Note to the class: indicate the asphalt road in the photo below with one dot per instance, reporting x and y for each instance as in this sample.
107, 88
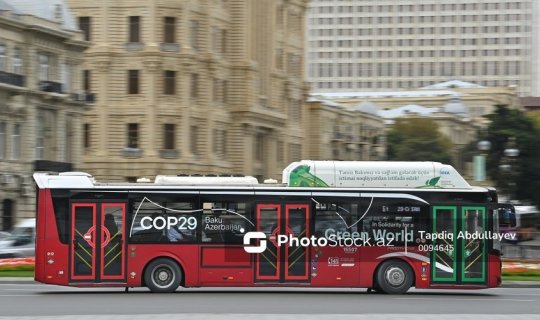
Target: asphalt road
30, 300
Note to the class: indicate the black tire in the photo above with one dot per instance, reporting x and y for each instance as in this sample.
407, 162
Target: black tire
163, 275
394, 277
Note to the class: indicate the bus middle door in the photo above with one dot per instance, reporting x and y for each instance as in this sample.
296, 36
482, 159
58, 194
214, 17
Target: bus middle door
283, 263
97, 248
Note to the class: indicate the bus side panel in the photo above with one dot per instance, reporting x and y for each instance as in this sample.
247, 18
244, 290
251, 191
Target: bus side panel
335, 267
51, 255
421, 273
225, 266
494, 271
186, 255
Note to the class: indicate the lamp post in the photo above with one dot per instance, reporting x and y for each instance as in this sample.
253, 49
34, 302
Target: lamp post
479, 161
509, 168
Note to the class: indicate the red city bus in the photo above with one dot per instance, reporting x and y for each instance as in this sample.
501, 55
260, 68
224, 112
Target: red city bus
385, 226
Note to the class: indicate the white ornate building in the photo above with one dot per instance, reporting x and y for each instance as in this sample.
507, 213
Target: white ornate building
40, 114
207, 86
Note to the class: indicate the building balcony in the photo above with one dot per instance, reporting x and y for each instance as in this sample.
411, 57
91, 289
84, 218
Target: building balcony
169, 153
132, 152
84, 97
50, 86
12, 79
169, 47
134, 46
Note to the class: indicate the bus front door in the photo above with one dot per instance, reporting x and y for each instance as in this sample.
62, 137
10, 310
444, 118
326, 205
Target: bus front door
283, 263
98, 243
459, 253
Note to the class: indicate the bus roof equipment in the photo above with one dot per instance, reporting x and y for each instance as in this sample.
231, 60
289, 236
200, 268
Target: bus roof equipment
305, 173
373, 174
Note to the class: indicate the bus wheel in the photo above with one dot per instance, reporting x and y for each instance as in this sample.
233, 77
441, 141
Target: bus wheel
163, 275
394, 277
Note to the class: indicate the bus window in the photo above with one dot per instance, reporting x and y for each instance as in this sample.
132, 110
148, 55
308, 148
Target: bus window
164, 221
225, 222
335, 218
393, 223
61, 213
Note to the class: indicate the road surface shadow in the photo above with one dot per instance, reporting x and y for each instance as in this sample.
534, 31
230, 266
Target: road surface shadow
270, 291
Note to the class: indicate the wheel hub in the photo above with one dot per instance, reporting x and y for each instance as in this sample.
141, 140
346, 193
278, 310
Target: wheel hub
163, 276
395, 276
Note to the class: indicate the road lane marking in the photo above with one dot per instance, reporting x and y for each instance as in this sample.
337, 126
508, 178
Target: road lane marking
467, 299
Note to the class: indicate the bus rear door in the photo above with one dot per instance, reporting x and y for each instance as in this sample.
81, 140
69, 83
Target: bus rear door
98, 243
458, 256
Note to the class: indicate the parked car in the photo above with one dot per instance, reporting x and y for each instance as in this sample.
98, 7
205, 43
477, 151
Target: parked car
21, 242
4, 235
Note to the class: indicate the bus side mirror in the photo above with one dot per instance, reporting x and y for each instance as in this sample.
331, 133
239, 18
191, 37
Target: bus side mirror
507, 215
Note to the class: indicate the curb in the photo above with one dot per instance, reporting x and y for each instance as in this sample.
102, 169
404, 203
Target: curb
520, 284
505, 284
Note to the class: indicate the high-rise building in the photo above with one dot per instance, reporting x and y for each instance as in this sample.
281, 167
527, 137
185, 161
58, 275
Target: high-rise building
367, 45
207, 86
41, 50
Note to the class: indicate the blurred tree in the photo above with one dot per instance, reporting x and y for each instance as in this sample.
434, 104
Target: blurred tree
418, 139
535, 116
513, 128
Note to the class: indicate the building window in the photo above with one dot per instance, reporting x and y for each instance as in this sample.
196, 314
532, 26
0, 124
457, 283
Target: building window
280, 152
170, 82
194, 92
215, 89
193, 145
169, 30
43, 60
134, 29
215, 41
295, 152
219, 91
86, 136
133, 135
68, 151
279, 15
223, 46
194, 30
133, 81
225, 87
220, 142
219, 40
259, 147
86, 81
65, 73
17, 61
16, 142
40, 138
279, 58
2, 140
84, 26
169, 142
2, 58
